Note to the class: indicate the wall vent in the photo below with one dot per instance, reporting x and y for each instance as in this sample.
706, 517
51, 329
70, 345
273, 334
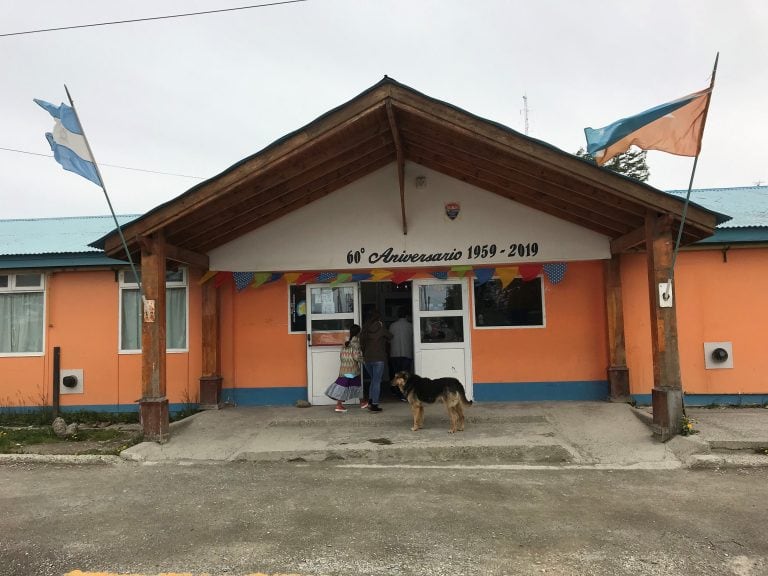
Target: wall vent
718, 355
71, 381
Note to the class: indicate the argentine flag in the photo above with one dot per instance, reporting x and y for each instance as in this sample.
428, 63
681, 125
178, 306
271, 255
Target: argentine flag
68, 142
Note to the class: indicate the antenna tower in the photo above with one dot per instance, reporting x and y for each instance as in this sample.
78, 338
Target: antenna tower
525, 112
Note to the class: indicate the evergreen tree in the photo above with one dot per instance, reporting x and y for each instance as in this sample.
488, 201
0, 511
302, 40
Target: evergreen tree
630, 163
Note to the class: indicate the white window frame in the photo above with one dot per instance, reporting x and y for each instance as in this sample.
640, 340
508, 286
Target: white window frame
124, 285
13, 289
537, 327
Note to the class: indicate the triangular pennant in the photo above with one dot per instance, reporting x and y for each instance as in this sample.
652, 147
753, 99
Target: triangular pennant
530, 271
506, 275
401, 276
362, 276
343, 277
207, 276
260, 278
482, 275
221, 279
305, 277
291, 277
326, 276
460, 271
440, 274
379, 274
242, 280
274, 277
555, 272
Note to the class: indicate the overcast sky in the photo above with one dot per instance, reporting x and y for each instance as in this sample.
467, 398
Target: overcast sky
195, 95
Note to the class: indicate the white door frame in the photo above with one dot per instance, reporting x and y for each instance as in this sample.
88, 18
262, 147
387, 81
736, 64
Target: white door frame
323, 346
421, 348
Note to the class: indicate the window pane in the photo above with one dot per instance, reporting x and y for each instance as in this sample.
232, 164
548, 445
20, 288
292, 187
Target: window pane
28, 280
442, 329
21, 322
3, 280
438, 297
333, 300
129, 278
298, 308
325, 325
519, 304
176, 318
174, 275
130, 321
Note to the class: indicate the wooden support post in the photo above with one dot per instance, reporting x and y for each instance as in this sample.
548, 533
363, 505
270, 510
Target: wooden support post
667, 393
154, 403
210, 381
618, 373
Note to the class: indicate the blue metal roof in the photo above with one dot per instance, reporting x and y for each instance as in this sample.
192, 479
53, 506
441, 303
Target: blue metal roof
40, 236
747, 206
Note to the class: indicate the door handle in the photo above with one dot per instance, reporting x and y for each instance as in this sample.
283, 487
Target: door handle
309, 339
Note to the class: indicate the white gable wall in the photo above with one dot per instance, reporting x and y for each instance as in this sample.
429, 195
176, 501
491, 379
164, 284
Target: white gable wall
363, 220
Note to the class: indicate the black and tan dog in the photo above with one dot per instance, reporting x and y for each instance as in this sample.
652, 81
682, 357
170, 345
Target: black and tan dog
420, 391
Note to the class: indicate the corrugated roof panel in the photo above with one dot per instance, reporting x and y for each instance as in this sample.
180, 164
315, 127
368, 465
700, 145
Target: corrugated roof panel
748, 206
55, 235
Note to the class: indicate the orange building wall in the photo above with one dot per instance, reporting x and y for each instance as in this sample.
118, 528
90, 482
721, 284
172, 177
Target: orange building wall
82, 319
257, 350
716, 301
573, 346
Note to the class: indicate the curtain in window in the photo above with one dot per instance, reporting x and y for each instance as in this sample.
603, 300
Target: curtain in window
175, 319
21, 322
130, 323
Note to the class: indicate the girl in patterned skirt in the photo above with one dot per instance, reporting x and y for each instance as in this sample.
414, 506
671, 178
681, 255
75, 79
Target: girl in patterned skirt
348, 385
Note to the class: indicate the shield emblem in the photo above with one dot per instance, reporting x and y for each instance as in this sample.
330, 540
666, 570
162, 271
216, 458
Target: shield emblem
452, 210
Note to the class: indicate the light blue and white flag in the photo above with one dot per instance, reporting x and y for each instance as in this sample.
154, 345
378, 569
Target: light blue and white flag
68, 142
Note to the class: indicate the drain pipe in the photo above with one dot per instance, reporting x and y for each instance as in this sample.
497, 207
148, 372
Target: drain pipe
56, 378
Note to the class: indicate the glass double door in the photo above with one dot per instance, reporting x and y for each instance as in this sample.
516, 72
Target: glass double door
441, 334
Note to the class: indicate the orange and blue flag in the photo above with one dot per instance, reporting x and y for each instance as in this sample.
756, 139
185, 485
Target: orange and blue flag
675, 127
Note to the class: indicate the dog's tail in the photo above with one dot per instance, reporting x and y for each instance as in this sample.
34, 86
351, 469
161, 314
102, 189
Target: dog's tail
464, 397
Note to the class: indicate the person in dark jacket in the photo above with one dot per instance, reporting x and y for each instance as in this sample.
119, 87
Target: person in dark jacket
373, 340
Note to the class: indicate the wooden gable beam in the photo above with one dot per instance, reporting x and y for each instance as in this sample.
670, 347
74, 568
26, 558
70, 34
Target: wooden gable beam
400, 159
628, 240
175, 253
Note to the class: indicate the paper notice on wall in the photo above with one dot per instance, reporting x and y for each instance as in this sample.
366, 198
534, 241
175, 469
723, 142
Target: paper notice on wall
327, 306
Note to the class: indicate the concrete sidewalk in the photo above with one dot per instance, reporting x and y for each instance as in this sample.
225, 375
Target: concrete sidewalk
564, 434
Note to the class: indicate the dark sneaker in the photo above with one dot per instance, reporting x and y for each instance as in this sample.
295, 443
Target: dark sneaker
374, 408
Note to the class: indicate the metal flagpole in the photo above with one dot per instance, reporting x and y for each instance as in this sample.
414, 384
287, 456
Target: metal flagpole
109, 202
693, 171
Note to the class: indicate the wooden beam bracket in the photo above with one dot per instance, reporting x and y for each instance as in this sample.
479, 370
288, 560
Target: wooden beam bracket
400, 160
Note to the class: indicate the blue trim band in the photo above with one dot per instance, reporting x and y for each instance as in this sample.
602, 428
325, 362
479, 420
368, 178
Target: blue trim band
264, 396
106, 408
541, 391
711, 399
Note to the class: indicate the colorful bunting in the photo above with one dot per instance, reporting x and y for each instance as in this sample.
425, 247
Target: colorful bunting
506, 275
402, 276
242, 280
274, 277
440, 274
291, 277
306, 277
555, 272
483, 275
378, 275
361, 277
530, 271
461, 270
221, 279
326, 276
344, 277
260, 278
